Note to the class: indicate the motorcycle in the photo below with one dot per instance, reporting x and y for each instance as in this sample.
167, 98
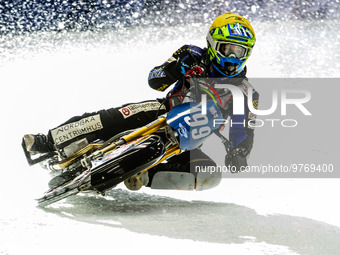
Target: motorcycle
102, 165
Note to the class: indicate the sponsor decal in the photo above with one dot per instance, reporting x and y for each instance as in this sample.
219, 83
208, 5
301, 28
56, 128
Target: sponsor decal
126, 111
133, 109
119, 151
71, 130
251, 115
182, 130
156, 73
195, 52
163, 87
244, 88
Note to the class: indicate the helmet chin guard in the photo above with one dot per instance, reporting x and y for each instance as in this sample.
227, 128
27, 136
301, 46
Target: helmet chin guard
231, 65
226, 71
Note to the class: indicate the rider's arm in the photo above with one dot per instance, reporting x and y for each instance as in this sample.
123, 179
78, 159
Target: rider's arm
161, 77
241, 135
242, 129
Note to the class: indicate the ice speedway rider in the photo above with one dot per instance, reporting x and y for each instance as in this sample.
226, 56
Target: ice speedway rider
230, 41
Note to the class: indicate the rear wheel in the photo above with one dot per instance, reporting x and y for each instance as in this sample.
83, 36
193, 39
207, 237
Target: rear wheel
137, 157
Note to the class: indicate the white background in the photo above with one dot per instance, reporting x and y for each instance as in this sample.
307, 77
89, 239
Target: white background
47, 78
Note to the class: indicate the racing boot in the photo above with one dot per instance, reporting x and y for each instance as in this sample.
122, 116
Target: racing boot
39, 143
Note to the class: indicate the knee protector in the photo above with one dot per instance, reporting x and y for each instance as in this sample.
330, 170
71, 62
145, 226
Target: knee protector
208, 180
172, 180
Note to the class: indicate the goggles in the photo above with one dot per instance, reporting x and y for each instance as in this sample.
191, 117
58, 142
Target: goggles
228, 49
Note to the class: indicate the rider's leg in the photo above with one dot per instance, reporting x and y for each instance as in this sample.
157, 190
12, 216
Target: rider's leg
96, 125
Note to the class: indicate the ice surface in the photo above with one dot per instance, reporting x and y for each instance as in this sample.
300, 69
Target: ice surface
48, 77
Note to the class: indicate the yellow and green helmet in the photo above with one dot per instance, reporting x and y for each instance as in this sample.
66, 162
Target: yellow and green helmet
231, 39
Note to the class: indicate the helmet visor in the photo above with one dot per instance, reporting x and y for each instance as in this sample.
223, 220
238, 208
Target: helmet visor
227, 49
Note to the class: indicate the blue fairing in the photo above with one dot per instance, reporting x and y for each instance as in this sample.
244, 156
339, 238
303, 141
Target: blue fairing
192, 126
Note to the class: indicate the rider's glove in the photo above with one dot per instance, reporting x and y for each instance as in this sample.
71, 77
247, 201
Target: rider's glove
243, 148
185, 59
182, 60
235, 162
